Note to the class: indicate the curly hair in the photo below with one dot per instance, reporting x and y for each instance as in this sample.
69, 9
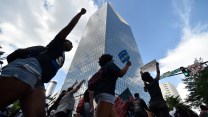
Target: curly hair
145, 76
105, 58
136, 95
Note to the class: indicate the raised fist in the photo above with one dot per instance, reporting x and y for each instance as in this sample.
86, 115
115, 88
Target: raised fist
83, 11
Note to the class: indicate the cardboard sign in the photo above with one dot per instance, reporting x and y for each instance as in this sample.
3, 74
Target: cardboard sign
124, 56
151, 66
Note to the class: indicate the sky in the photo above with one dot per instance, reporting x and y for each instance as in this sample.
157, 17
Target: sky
174, 32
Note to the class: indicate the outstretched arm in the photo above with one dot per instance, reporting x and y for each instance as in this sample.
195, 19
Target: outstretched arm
158, 71
91, 93
66, 30
125, 69
74, 84
77, 87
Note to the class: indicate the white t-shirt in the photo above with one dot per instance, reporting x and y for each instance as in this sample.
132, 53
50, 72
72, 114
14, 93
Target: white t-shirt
67, 103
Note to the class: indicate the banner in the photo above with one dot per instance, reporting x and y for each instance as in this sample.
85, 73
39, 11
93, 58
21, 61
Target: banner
122, 103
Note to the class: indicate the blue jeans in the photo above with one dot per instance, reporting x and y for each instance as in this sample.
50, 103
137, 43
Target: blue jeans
27, 70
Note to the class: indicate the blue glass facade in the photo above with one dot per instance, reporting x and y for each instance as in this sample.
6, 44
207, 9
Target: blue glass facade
106, 32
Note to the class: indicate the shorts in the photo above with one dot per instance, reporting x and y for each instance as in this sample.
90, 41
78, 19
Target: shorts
27, 70
106, 97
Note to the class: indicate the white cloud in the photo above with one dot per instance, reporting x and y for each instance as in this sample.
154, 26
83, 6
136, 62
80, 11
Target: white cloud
193, 43
30, 23
183, 92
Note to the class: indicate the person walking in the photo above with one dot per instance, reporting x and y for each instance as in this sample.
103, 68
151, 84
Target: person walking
25, 74
157, 104
36, 106
105, 91
66, 105
56, 103
88, 107
139, 106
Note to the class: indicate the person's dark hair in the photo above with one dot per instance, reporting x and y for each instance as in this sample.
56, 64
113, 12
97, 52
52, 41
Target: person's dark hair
105, 58
145, 76
136, 95
202, 107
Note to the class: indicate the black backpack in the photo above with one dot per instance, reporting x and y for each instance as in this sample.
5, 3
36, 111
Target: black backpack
24, 53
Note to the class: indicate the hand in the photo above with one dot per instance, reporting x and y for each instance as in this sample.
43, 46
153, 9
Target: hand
83, 80
128, 63
83, 11
157, 63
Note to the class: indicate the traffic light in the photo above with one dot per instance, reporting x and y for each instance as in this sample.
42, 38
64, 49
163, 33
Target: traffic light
185, 71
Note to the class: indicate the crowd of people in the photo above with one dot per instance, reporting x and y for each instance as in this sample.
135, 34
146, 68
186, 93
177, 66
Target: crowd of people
28, 69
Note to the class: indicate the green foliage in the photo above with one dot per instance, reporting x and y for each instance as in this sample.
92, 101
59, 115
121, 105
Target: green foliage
197, 85
175, 102
15, 108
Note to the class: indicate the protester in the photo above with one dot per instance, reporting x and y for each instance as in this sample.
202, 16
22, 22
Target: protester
66, 105
204, 111
88, 107
36, 106
25, 74
105, 90
56, 103
139, 107
157, 104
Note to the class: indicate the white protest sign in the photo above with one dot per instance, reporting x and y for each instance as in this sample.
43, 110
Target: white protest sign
151, 66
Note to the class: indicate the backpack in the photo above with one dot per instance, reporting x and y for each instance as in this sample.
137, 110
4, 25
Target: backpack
24, 53
95, 79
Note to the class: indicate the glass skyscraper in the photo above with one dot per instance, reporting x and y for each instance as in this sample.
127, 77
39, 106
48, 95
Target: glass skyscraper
106, 32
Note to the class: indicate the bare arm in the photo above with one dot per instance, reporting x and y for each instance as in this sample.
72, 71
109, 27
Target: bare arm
91, 93
158, 71
74, 84
77, 87
66, 30
125, 69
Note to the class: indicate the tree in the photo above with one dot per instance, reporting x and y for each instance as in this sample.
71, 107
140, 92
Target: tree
197, 85
175, 102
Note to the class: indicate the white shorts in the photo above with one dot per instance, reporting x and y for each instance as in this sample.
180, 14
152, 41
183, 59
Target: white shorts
106, 97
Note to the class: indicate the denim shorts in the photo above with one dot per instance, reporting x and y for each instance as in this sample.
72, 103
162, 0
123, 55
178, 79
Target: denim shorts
27, 70
106, 97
